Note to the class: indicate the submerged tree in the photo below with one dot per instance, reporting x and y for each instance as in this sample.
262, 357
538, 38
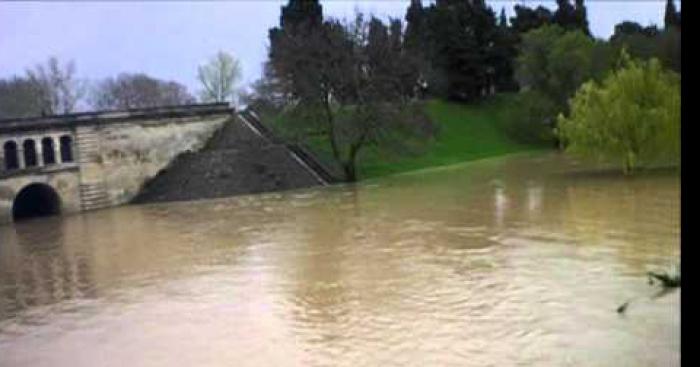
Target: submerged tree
633, 116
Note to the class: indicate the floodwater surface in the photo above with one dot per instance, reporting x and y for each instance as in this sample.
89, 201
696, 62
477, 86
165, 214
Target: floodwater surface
517, 261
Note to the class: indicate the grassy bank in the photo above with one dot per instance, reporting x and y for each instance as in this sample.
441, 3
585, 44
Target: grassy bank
466, 132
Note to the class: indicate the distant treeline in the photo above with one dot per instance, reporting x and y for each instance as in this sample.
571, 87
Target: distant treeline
461, 50
54, 88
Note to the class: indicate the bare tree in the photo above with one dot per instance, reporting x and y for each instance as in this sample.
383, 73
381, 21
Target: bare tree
266, 95
343, 81
60, 89
219, 77
137, 91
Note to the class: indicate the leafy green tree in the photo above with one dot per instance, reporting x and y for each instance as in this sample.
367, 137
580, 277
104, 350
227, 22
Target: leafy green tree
647, 42
668, 48
632, 117
554, 62
530, 118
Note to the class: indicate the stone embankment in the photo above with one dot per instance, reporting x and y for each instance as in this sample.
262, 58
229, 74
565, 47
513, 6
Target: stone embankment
241, 158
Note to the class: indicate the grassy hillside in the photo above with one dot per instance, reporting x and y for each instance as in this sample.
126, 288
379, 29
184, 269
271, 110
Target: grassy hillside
466, 132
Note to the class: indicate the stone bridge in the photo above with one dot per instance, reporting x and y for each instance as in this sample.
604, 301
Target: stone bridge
84, 161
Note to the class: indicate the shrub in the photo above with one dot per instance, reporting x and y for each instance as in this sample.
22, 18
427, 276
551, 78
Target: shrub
530, 118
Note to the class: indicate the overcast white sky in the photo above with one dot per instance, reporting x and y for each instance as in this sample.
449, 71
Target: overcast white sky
169, 39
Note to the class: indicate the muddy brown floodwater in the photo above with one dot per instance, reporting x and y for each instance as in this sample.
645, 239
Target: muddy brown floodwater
512, 261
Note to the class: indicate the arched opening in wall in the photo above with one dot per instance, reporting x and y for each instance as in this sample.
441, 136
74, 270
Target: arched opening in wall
36, 200
66, 149
29, 153
47, 151
10, 153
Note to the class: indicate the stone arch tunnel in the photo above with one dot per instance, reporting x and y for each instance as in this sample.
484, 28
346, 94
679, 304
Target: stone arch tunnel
36, 200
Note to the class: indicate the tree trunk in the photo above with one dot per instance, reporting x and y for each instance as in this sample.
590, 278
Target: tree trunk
350, 173
330, 120
629, 164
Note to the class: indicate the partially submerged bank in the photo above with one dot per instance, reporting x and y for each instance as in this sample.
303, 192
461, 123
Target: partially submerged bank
466, 132
243, 157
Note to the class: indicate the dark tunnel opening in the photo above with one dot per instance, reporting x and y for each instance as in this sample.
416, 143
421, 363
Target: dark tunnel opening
36, 200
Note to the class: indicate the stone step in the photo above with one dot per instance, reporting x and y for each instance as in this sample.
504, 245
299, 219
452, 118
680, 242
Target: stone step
93, 196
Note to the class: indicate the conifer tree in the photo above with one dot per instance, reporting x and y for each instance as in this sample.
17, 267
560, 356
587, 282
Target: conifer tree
581, 16
672, 18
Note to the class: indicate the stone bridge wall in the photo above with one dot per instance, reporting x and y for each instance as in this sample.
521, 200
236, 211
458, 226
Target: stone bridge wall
112, 153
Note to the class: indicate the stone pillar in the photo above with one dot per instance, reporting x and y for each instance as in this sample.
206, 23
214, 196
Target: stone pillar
39, 149
57, 149
20, 156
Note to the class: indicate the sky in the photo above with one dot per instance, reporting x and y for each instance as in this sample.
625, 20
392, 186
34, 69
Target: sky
168, 40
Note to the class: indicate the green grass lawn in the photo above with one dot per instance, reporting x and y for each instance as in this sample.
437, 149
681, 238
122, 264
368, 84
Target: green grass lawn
466, 132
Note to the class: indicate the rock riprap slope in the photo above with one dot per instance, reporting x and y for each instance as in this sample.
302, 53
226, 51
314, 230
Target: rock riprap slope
236, 160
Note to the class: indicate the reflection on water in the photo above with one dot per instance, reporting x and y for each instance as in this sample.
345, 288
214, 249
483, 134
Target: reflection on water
517, 261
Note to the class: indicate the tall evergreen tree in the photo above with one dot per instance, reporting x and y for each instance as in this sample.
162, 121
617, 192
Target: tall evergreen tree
672, 18
572, 16
395, 35
581, 17
379, 49
502, 20
415, 25
301, 12
565, 15
463, 36
299, 20
527, 19
505, 49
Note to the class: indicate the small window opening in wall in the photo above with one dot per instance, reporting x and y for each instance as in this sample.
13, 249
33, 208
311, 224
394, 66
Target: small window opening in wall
66, 149
29, 153
47, 151
10, 152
